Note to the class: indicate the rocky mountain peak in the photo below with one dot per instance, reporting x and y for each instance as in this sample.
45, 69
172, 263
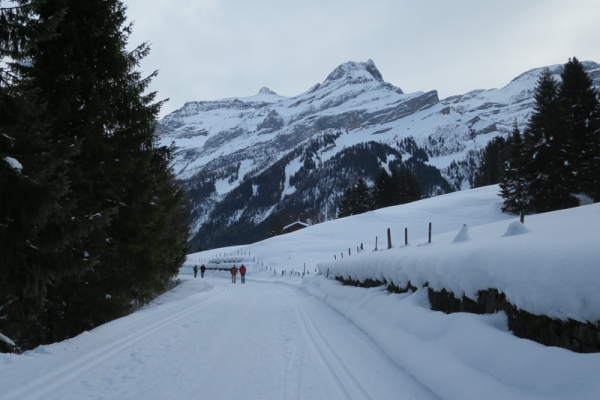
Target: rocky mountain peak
353, 70
266, 90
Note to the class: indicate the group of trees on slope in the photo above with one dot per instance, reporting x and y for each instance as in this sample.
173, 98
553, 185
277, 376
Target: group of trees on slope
557, 156
92, 222
399, 187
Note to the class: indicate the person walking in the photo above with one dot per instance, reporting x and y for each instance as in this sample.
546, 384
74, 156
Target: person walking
202, 269
243, 273
195, 270
233, 274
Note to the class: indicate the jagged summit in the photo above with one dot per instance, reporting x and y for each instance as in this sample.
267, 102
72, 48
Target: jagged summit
266, 90
353, 70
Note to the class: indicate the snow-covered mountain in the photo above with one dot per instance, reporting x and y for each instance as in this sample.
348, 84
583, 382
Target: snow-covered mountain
250, 162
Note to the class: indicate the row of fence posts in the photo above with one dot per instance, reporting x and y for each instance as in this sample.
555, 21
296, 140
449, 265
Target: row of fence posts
389, 240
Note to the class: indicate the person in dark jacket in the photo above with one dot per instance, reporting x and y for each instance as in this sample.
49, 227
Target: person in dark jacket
202, 269
195, 270
243, 273
233, 274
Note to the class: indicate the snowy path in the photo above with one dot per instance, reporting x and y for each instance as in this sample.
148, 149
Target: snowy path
210, 339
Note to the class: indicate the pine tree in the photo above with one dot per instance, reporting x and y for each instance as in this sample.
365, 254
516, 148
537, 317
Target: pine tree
357, 199
513, 185
491, 167
406, 186
118, 179
383, 189
347, 204
546, 150
36, 227
582, 116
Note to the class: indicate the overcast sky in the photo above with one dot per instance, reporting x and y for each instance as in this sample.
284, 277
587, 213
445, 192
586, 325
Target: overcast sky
214, 49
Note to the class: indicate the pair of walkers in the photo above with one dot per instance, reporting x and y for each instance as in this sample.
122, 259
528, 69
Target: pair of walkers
202, 269
234, 272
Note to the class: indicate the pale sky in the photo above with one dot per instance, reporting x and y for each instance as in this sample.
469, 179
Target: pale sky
215, 49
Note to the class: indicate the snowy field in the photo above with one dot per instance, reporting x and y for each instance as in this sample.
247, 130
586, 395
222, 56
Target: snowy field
292, 337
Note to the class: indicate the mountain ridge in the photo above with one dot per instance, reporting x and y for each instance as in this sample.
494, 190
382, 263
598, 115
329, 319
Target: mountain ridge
224, 147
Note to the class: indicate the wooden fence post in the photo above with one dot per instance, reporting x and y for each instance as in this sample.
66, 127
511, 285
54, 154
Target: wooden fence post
327, 276
349, 251
361, 246
334, 257
405, 236
389, 233
342, 253
522, 217
430, 232
375, 243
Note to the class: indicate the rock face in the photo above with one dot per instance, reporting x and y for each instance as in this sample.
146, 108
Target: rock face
301, 146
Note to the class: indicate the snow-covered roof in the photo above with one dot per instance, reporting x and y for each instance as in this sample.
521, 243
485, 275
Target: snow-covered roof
295, 223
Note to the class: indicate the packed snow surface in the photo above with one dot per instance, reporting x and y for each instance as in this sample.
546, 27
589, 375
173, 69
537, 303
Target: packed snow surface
284, 336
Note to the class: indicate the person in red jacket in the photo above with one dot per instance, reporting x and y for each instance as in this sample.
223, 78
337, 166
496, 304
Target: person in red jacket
243, 273
233, 274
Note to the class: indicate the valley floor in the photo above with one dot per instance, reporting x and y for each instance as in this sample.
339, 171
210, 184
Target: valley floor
210, 339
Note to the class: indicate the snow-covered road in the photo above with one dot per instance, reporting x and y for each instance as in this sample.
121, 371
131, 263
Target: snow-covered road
209, 339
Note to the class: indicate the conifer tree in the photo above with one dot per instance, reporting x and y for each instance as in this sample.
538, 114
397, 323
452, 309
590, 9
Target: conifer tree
546, 150
406, 186
357, 199
491, 167
383, 189
513, 185
36, 228
582, 117
118, 179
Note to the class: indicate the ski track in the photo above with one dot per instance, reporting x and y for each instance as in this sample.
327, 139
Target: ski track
262, 340
42, 387
324, 357
343, 359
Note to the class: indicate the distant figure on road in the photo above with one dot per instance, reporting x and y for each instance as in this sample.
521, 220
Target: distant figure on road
195, 270
233, 274
202, 269
243, 273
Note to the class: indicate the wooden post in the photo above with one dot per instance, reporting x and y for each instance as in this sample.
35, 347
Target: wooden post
522, 217
361, 246
357, 249
342, 254
389, 233
304, 267
327, 276
375, 243
349, 251
430, 232
405, 236
334, 257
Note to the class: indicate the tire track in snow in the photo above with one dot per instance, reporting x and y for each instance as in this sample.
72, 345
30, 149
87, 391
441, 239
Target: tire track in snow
49, 382
325, 357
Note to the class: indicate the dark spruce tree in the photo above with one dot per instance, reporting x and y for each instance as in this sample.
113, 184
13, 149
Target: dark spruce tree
400, 187
407, 188
581, 108
37, 232
383, 189
546, 150
514, 184
357, 199
118, 180
491, 167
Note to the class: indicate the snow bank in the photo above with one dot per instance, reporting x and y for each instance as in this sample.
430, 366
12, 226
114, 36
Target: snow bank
547, 267
460, 356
